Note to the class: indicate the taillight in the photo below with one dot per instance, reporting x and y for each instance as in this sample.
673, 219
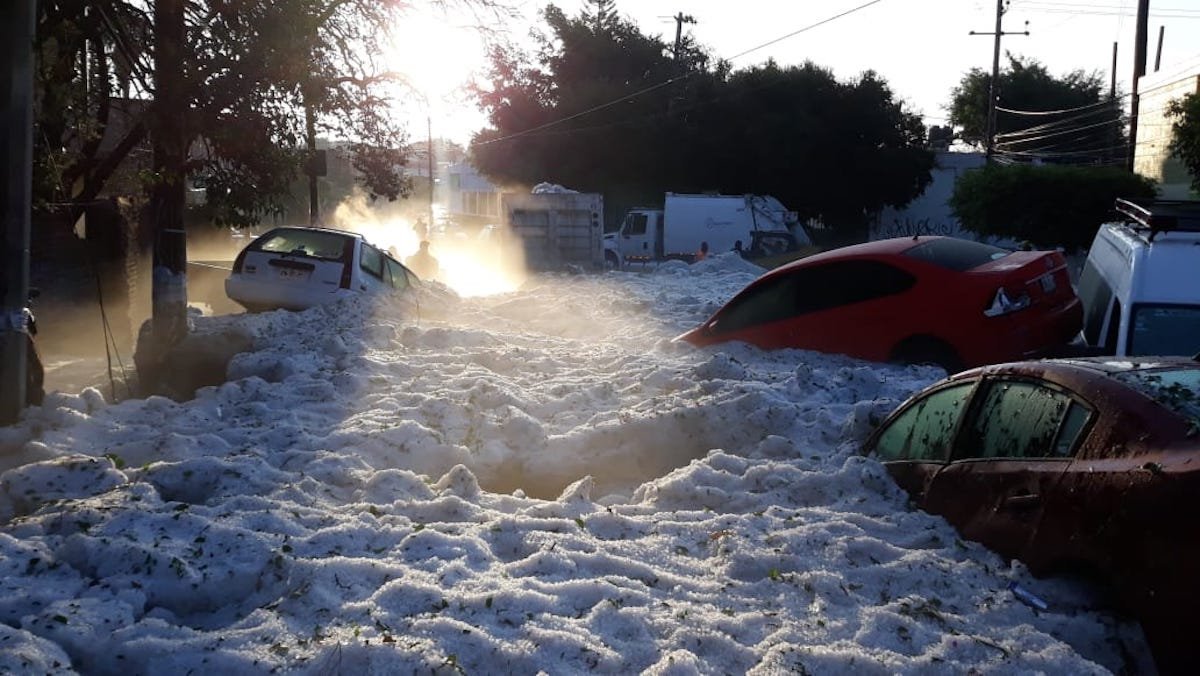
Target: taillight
1007, 301
237, 262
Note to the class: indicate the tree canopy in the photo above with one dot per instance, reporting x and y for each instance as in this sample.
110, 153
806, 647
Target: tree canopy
1061, 119
1048, 205
251, 70
1185, 141
603, 107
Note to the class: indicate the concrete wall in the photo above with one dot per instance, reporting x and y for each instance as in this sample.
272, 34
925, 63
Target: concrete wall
930, 214
1151, 156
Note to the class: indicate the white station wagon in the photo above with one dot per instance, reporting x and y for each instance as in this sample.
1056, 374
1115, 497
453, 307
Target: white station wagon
296, 268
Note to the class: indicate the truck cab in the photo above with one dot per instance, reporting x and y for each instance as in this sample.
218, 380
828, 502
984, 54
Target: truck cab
638, 240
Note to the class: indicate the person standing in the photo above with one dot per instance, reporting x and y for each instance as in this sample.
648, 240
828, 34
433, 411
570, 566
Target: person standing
702, 253
423, 263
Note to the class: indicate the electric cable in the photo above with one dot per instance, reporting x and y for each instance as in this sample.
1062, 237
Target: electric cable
655, 87
1064, 110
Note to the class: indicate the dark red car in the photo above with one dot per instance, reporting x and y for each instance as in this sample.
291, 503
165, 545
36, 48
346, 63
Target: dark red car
1087, 465
942, 300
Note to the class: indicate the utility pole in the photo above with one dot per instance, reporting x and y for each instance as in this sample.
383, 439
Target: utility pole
1158, 51
310, 164
168, 319
680, 19
994, 84
16, 181
429, 159
1139, 69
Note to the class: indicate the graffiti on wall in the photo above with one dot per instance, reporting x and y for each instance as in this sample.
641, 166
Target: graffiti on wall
911, 227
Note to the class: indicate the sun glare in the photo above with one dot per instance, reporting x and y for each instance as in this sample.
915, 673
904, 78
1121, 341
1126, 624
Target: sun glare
471, 266
435, 55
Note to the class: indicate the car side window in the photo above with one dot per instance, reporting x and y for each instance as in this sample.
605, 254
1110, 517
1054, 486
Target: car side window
372, 260
1018, 419
636, 225
846, 282
812, 289
925, 430
399, 274
1096, 295
768, 301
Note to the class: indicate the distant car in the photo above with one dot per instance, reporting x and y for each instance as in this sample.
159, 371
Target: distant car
953, 302
1138, 284
296, 268
1088, 465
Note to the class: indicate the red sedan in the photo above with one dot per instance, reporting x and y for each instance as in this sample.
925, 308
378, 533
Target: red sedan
1084, 465
941, 300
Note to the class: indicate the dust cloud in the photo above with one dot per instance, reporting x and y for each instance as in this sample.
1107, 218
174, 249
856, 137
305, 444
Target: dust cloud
472, 264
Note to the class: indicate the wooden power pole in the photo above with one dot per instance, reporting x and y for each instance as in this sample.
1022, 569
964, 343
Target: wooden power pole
1140, 39
16, 181
994, 84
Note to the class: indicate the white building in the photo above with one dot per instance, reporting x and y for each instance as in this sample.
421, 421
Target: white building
471, 200
1152, 157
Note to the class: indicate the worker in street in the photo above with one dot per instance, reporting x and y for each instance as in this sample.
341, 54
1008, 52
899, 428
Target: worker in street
702, 253
423, 263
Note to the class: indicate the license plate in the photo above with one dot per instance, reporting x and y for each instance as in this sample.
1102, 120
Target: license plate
293, 275
1048, 283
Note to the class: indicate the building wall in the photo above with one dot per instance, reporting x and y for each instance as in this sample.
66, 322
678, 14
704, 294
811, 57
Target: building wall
930, 214
471, 198
1152, 157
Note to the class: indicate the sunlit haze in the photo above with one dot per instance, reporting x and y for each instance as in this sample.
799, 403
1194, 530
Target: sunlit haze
470, 265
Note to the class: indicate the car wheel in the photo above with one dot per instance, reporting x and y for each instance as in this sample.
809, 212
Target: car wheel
927, 350
610, 261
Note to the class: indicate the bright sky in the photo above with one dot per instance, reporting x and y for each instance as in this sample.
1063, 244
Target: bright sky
921, 47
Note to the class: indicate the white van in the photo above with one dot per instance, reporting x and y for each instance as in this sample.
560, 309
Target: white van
1140, 285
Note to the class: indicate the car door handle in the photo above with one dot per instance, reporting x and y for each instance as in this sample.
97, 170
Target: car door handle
1024, 501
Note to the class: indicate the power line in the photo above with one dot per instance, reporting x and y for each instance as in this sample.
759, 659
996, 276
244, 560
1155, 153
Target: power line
1053, 125
647, 90
1060, 133
1062, 111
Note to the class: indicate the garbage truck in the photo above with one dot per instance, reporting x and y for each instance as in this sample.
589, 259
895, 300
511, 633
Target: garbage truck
757, 225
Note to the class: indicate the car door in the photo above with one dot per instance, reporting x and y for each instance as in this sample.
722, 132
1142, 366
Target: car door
1008, 459
914, 443
850, 307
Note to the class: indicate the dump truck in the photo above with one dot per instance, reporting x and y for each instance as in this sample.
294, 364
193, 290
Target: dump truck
558, 229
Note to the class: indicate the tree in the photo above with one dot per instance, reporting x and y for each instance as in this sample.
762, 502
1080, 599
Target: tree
611, 111
252, 69
1065, 119
1047, 206
1185, 143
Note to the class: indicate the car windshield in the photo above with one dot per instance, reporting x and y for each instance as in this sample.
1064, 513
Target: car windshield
955, 254
1165, 330
1177, 389
308, 242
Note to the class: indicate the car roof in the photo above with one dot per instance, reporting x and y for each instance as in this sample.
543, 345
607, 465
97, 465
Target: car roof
1100, 366
883, 247
334, 231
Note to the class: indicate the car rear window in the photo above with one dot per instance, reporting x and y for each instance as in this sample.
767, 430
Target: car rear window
328, 245
956, 254
1176, 389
